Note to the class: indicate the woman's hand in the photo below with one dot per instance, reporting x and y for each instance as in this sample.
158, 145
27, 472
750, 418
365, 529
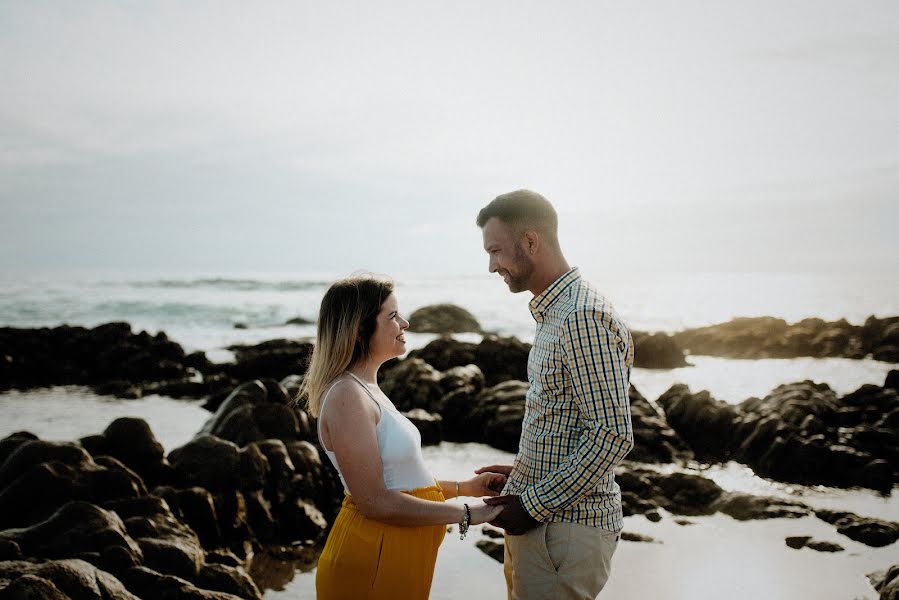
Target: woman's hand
485, 484
482, 513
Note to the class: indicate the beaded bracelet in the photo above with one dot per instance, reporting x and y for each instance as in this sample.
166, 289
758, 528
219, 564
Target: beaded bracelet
466, 520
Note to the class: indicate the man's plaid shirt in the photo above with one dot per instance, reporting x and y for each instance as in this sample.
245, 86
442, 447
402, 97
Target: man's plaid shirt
577, 419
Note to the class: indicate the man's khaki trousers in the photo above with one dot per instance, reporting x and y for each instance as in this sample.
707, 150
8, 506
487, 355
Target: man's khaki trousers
565, 561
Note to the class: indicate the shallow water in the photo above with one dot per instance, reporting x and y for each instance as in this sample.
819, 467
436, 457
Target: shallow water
69, 413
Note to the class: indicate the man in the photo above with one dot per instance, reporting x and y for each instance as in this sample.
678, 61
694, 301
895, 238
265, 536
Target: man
561, 505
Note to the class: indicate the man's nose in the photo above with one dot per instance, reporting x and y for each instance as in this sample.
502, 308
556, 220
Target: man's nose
491, 265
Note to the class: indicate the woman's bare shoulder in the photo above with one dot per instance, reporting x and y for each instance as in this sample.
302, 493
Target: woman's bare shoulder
346, 397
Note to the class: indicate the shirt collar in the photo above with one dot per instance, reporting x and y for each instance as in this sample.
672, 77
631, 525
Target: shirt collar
542, 302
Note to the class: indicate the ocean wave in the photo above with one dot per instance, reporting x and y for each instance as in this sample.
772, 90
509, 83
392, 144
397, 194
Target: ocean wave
233, 284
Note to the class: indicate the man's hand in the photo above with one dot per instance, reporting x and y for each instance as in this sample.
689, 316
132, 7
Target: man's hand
502, 470
514, 518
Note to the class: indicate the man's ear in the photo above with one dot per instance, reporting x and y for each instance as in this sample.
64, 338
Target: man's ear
531, 241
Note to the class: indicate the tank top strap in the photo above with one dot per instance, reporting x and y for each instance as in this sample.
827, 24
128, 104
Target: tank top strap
367, 391
321, 411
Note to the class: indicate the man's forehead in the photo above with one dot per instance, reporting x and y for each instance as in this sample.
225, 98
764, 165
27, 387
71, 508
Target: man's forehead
495, 228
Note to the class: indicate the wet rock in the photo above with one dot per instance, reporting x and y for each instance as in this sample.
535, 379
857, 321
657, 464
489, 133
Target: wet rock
246, 394
705, 424
73, 578
37, 493
688, 494
76, 528
657, 351
492, 532
275, 359
499, 358
34, 452
443, 318
445, 353
628, 536
74, 355
494, 550
886, 582
168, 545
822, 546
9, 550
222, 578
131, 441
259, 516
147, 583
654, 440
300, 520
208, 462
799, 542
280, 480
653, 516
299, 321
413, 384
223, 556
744, 507
196, 508
767, 337
13, 441
32, 587
871, 532
430, 426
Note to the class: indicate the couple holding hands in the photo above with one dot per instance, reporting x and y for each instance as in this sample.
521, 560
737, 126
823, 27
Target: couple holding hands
558, 503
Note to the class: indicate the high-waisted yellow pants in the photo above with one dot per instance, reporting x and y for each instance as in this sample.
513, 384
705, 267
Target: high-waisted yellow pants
366, 559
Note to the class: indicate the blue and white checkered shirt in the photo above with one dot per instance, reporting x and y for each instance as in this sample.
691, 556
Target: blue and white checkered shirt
577, 419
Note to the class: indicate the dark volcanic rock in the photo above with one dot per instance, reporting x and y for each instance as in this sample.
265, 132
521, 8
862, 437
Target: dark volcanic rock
886, 583
745, 507
654, 440
413, 384
222, 578
443, 318
871, 532
704, 423
494, 550
657, 351
147, 583
805, 541
75, 355
61, 579
39, 488
75, 529
275, 359
429, 425
499, 358
767, 337
209, 462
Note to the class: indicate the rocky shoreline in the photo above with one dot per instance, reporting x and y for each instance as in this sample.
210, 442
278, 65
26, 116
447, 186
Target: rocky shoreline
113, 516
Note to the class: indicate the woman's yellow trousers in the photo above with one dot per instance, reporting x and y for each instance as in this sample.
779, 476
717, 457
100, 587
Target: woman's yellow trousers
366, 559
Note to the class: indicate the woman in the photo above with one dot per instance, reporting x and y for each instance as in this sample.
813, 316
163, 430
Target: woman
385, 539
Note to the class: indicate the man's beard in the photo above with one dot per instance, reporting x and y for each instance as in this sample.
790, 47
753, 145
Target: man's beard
525, 267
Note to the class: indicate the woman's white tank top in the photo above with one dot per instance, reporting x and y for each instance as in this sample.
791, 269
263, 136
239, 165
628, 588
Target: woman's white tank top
399, 442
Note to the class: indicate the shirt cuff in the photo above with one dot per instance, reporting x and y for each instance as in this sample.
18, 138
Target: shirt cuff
532, 505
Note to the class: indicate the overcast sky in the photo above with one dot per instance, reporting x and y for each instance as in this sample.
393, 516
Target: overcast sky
309, 137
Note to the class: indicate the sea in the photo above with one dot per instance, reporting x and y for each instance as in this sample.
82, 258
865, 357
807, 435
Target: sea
714, 556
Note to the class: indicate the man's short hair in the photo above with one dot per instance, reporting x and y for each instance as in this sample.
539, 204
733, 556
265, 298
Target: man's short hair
524, 209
